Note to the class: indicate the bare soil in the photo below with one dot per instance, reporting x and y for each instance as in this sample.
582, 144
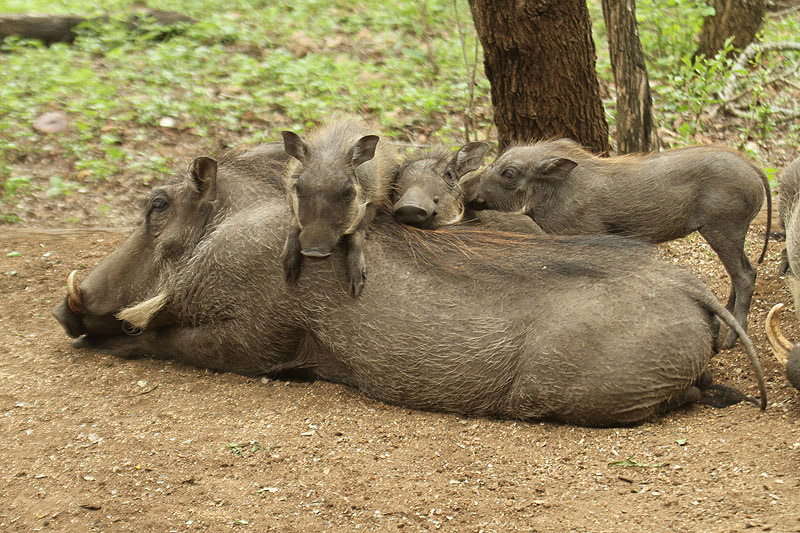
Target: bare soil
95, 443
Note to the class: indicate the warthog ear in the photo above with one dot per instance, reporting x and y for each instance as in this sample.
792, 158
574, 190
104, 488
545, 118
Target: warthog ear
363, 150
294, 146
556, 168
203, 172
468, 158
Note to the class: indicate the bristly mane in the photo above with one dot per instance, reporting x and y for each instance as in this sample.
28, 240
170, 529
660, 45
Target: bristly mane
440, 153
434, 152
466, 250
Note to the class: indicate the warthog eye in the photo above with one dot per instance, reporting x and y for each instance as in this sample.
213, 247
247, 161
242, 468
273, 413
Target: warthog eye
509, 173
159, 204
508, 178
348, 191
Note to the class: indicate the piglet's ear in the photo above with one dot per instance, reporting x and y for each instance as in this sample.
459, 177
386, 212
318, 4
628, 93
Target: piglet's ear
556, 168
203, 173
468, 158
364, 149
294, 146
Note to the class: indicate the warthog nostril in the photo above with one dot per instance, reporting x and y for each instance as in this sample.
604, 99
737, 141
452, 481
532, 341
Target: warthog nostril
478, 204
411, 214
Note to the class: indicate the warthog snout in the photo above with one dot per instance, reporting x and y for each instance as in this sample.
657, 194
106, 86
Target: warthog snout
70, 321
478, 204
415, 208
70, 311
317, 243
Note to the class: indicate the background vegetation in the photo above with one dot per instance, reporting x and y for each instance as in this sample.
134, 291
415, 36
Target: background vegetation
141, 103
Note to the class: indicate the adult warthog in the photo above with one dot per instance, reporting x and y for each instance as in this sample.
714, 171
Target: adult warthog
656, 197
584, 330
789, 220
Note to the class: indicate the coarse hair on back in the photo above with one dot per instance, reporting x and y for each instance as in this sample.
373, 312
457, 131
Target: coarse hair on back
466, 250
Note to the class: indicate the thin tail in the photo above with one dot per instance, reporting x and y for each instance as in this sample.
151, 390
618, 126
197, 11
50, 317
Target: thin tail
765, 181
718, 309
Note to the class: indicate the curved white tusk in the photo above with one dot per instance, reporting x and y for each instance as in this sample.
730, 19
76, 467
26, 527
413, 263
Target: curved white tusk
74, 300
781, 346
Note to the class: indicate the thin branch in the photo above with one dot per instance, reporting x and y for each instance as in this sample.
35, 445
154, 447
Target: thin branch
469, 118
779, 78
747, 55
784, 12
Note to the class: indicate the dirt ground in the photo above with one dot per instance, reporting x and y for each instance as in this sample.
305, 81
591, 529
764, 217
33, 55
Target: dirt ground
94, 443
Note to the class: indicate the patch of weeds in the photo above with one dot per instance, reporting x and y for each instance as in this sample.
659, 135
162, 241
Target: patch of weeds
16, 185
97, 168
694, 89
60, 187
771, 173
242, 449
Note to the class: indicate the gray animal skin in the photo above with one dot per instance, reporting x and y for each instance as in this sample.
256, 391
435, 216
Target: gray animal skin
336, 183
656, 197
789, 213
427, 193
585, 330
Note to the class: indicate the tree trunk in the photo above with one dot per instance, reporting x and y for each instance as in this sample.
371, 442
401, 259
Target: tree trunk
540, 60
634, 103
738, 18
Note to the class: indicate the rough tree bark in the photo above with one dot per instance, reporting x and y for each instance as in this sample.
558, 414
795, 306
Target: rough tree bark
738, 18
540, 60
634, 103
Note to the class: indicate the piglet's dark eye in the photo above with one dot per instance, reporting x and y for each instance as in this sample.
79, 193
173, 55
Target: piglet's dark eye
509, 173
159, 204
348, 191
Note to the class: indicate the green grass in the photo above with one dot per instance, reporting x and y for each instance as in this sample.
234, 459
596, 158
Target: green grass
233, 74
236, 77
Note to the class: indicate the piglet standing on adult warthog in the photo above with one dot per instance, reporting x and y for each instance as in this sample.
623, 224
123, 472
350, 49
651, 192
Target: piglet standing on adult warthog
335, 184
426, 191
656, 197
590, 330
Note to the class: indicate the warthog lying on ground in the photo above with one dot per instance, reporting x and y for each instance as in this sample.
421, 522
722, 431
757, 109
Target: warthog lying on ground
787, 352
426, 191
586, 330
656, 197
336, 183
789, 220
